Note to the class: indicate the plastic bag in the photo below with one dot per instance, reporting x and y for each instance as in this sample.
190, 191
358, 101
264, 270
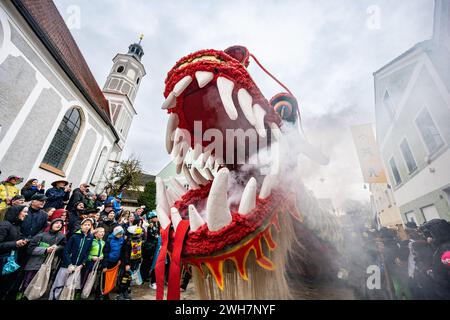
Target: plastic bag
136, 279
110, 279
90, 281
72, 283
11, 265
38, 285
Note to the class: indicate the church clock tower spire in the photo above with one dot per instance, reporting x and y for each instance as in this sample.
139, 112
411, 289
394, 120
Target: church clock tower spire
122, 85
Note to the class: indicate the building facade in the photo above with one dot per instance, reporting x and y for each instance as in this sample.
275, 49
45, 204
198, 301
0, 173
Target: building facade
55, 121
412, 109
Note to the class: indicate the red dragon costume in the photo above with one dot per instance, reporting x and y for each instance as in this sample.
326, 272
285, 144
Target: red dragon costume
245, 234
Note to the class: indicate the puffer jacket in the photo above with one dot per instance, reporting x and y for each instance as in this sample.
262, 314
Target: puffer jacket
38, 246
56, 198
114, 249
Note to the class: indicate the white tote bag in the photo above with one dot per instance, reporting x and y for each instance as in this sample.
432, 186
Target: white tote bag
90, 281
72, 283
38, 285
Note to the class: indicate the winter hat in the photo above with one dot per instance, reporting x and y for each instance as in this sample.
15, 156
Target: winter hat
152, 214
58, 214
445, 258
18, 197
117, 230
12, 214
411, 225
56, 220
87, 219
135, 230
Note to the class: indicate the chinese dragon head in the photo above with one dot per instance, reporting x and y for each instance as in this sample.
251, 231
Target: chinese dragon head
245, 230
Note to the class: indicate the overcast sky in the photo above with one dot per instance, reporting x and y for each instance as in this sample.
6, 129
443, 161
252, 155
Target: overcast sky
324, 51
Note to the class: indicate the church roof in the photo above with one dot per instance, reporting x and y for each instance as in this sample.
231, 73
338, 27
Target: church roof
46, 21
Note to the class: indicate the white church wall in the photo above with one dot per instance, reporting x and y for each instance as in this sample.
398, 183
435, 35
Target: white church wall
40, 99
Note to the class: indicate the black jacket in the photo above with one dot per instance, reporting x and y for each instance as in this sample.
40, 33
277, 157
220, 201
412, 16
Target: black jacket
77, 196
35, 222
56, 198
29, 192
10, 230
108, 225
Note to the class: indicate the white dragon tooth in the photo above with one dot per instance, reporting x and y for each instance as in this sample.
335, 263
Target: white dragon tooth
217, 212
203, 78
161, 198
205, 158
171, 196
193, 185
177, 140
176, 218
198, 177
225, 88
162, 208
179, 167
209, 174
266, 187
177, 187
170, 102
172, 125
195, 220
211, 161
275, 130
248, 200
260, 113
181, 85
245, 101
197, 151
163, 218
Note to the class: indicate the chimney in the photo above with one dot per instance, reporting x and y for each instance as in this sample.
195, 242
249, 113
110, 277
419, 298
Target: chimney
441, 27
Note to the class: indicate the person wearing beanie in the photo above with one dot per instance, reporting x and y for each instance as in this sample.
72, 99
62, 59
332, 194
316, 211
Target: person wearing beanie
75, 256
59, 214
17, 200
108, 222
114, 251
95, 254
132, 260
40, 247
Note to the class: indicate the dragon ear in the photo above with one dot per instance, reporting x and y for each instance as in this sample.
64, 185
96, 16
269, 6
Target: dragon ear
240, 53
286, 106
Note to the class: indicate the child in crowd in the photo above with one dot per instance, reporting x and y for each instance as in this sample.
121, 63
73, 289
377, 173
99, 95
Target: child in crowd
95, 254
75, 256
40, 246
132, 261
114, 251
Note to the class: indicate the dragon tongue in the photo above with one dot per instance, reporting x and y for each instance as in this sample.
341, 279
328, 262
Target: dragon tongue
225, 88
217, 212
248, 200
195, 220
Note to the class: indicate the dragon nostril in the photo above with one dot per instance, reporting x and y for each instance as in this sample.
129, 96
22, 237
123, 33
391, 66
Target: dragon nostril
216, 71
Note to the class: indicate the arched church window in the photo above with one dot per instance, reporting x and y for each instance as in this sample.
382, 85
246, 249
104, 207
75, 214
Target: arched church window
64, 139
137, 81
120, 69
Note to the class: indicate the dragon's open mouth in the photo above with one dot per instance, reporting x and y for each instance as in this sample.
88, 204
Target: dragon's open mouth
217, 113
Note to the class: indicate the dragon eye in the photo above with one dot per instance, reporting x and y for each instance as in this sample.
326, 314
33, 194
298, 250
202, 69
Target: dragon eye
284, 109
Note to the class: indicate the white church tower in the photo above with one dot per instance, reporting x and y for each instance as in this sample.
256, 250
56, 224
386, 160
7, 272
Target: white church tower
121, 88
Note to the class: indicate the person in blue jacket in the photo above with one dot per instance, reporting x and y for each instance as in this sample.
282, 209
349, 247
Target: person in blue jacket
75, 256
58, 194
